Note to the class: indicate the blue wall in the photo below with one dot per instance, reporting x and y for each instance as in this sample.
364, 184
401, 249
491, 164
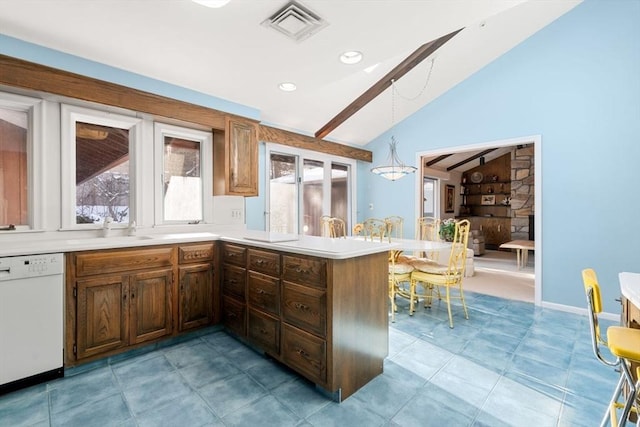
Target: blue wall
577, 84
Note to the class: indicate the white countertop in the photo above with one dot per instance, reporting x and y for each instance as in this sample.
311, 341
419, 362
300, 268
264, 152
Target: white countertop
630, 287
325, 247
306, 245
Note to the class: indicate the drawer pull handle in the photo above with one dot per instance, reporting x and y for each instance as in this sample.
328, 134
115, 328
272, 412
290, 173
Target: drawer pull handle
231, 315
263, 332
260, 291
232, 281
302, 353
302, 270
301, 306
259, 261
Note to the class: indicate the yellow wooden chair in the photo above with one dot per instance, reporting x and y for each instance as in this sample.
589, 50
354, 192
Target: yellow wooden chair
325, 225
332, 227
375, 229
431, 275
623, 343
396, 224
337, 228
428, 228
399, 273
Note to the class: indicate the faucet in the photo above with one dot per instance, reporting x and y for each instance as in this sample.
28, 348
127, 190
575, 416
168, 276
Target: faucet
106, 227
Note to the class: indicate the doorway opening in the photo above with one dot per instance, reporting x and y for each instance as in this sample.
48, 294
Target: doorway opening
495, 202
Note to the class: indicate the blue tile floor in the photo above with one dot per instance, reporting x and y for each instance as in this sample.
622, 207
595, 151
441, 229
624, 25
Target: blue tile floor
510, 364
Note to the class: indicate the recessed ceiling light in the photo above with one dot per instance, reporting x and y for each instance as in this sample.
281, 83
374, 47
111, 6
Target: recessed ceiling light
212, 3
351, 57
287, 86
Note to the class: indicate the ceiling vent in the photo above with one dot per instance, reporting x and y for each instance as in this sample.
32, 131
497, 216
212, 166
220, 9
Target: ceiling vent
295, 21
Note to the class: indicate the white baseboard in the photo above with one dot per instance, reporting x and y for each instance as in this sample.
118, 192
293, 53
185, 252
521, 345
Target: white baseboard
578, 310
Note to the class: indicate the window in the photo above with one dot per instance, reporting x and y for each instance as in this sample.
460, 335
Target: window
20, 119
429, 196
13, 167
102, 174
304, 186
98, 176
184, 177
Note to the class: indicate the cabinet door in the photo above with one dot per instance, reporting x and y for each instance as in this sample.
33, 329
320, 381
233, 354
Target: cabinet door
496, 231
102, 315
236, 159
196, 296
150, 305
243, 157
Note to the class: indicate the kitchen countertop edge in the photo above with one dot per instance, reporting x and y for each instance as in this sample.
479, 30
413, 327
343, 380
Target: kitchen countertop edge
305, 245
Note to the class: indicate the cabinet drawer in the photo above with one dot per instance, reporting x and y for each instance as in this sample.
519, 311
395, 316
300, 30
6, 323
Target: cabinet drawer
233, 254
305, 353
234, 281
310, 271
305, 308
233, 316
264, 262
264, 331
195, 253
103, 262
264, 292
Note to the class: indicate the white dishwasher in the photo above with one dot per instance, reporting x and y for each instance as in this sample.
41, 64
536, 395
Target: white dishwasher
31, 319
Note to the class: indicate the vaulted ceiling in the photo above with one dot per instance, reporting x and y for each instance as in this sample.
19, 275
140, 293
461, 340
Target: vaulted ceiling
229, 53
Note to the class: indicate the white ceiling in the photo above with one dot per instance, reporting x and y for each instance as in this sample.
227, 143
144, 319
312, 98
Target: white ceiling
227, 53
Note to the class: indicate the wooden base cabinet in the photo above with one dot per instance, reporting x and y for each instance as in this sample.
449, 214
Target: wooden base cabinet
120, 298
197, 298
326, 319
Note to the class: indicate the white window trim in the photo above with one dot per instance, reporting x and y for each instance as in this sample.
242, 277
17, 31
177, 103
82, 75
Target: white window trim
327, 160
161, 130
69, 116
35, 157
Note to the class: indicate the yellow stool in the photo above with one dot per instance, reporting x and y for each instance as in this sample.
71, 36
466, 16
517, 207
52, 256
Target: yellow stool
623, 343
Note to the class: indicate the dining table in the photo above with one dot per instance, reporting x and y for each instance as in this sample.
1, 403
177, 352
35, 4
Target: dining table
408, 245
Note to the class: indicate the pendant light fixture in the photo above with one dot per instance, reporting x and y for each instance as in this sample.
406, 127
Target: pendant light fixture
394, 168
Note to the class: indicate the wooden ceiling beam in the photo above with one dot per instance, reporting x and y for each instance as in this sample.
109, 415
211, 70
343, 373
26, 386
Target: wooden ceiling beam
437, 160
470, 159
400, 70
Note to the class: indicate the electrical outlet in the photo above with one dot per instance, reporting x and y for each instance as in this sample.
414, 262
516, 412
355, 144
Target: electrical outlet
236, 213
370, 206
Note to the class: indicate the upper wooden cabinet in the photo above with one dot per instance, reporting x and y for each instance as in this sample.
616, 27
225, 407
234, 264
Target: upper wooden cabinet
235, 159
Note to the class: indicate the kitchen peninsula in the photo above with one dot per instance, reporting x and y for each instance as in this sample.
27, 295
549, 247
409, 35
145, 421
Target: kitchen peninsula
315, 304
